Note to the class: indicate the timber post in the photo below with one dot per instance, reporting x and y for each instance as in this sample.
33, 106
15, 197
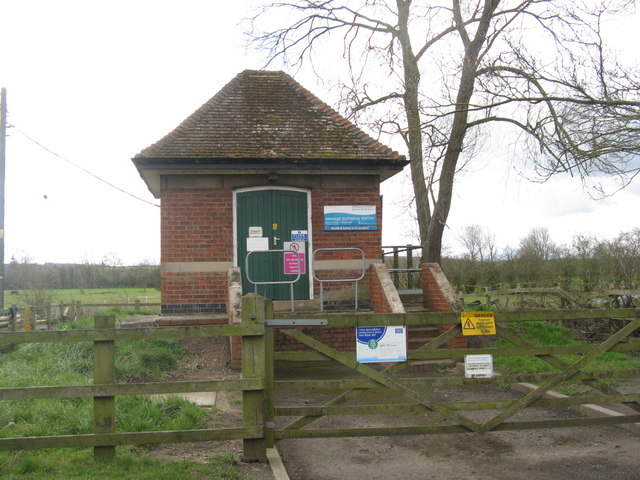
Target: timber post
104, 372
269, 378
27, 326
49, 315
254, 402
13, 318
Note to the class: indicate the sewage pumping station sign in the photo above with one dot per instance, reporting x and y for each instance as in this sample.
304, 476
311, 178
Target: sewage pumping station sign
350, 217
381, 344
478, 323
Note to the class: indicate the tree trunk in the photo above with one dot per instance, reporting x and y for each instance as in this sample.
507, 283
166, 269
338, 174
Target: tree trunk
412, 109
433, 243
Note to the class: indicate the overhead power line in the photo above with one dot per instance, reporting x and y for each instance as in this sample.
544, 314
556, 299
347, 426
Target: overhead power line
97, 177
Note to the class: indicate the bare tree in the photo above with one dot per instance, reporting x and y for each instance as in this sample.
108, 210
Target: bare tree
622, 256
479, 244
439, 74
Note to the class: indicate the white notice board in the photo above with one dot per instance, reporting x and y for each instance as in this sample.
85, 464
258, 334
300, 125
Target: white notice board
381, 344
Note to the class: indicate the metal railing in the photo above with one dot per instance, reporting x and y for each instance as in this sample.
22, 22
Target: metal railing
255, 284
323, 281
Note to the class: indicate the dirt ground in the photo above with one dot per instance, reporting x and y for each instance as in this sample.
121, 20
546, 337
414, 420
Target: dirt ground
208, 358
551, 454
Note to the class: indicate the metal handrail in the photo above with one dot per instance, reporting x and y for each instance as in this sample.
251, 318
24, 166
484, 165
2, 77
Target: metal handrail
290, 282
323, 281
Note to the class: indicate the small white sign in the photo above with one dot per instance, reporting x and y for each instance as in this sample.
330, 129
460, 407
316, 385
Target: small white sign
255, 232
295, 247
478, 366
257, 243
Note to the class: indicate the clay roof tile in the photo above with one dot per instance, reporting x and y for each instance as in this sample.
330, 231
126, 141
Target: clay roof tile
267, 114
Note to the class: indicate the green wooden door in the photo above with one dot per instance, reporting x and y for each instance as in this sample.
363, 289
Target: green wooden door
265, 219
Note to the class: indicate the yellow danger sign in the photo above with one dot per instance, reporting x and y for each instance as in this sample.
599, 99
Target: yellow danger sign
478, 323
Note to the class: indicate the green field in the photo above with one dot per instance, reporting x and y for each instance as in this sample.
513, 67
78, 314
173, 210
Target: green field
23, 298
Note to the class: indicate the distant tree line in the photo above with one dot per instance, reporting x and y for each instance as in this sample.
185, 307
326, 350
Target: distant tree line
23, 274
588, 264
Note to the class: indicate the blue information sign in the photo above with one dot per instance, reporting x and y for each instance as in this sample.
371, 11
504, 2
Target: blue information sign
381, 344
350, 217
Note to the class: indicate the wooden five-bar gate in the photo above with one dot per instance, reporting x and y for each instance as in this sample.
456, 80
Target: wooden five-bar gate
266, 419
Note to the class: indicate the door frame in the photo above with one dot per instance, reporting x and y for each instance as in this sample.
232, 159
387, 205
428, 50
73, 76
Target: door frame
309, 225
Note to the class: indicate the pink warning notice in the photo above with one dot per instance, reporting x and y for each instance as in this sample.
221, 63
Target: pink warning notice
291, 266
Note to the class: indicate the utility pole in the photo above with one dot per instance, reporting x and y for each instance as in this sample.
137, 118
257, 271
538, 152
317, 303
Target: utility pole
3, 137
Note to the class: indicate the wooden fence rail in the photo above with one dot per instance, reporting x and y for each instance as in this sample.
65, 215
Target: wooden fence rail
27, 318
104, 439
416, 393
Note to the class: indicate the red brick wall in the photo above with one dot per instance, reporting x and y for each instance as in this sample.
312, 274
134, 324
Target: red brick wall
369, 240
204, 292
379, 302
236, 351
438, 296
384, 297
196, 226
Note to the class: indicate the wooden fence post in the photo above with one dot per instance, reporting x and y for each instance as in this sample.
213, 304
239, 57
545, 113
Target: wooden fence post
396, 264
28, 315
254, 366
137, 307
13, 318
104, 372
49, 314
269, 378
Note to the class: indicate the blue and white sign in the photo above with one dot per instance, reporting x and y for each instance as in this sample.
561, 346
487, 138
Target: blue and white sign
381, 344
299, 236
350, 217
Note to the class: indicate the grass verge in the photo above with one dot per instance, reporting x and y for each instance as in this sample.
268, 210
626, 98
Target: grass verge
78, 464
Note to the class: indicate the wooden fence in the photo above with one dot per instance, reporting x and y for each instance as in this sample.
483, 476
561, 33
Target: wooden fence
104, 439
527, 297
265, 420
43, 317
416, 394
404, 271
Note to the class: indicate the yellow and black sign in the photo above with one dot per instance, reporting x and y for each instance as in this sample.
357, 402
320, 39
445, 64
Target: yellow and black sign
478, 323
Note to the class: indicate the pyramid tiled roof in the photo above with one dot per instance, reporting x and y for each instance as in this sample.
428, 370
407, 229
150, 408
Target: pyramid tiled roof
267, 115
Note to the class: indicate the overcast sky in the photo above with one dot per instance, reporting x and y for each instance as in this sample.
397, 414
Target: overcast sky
96, 82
